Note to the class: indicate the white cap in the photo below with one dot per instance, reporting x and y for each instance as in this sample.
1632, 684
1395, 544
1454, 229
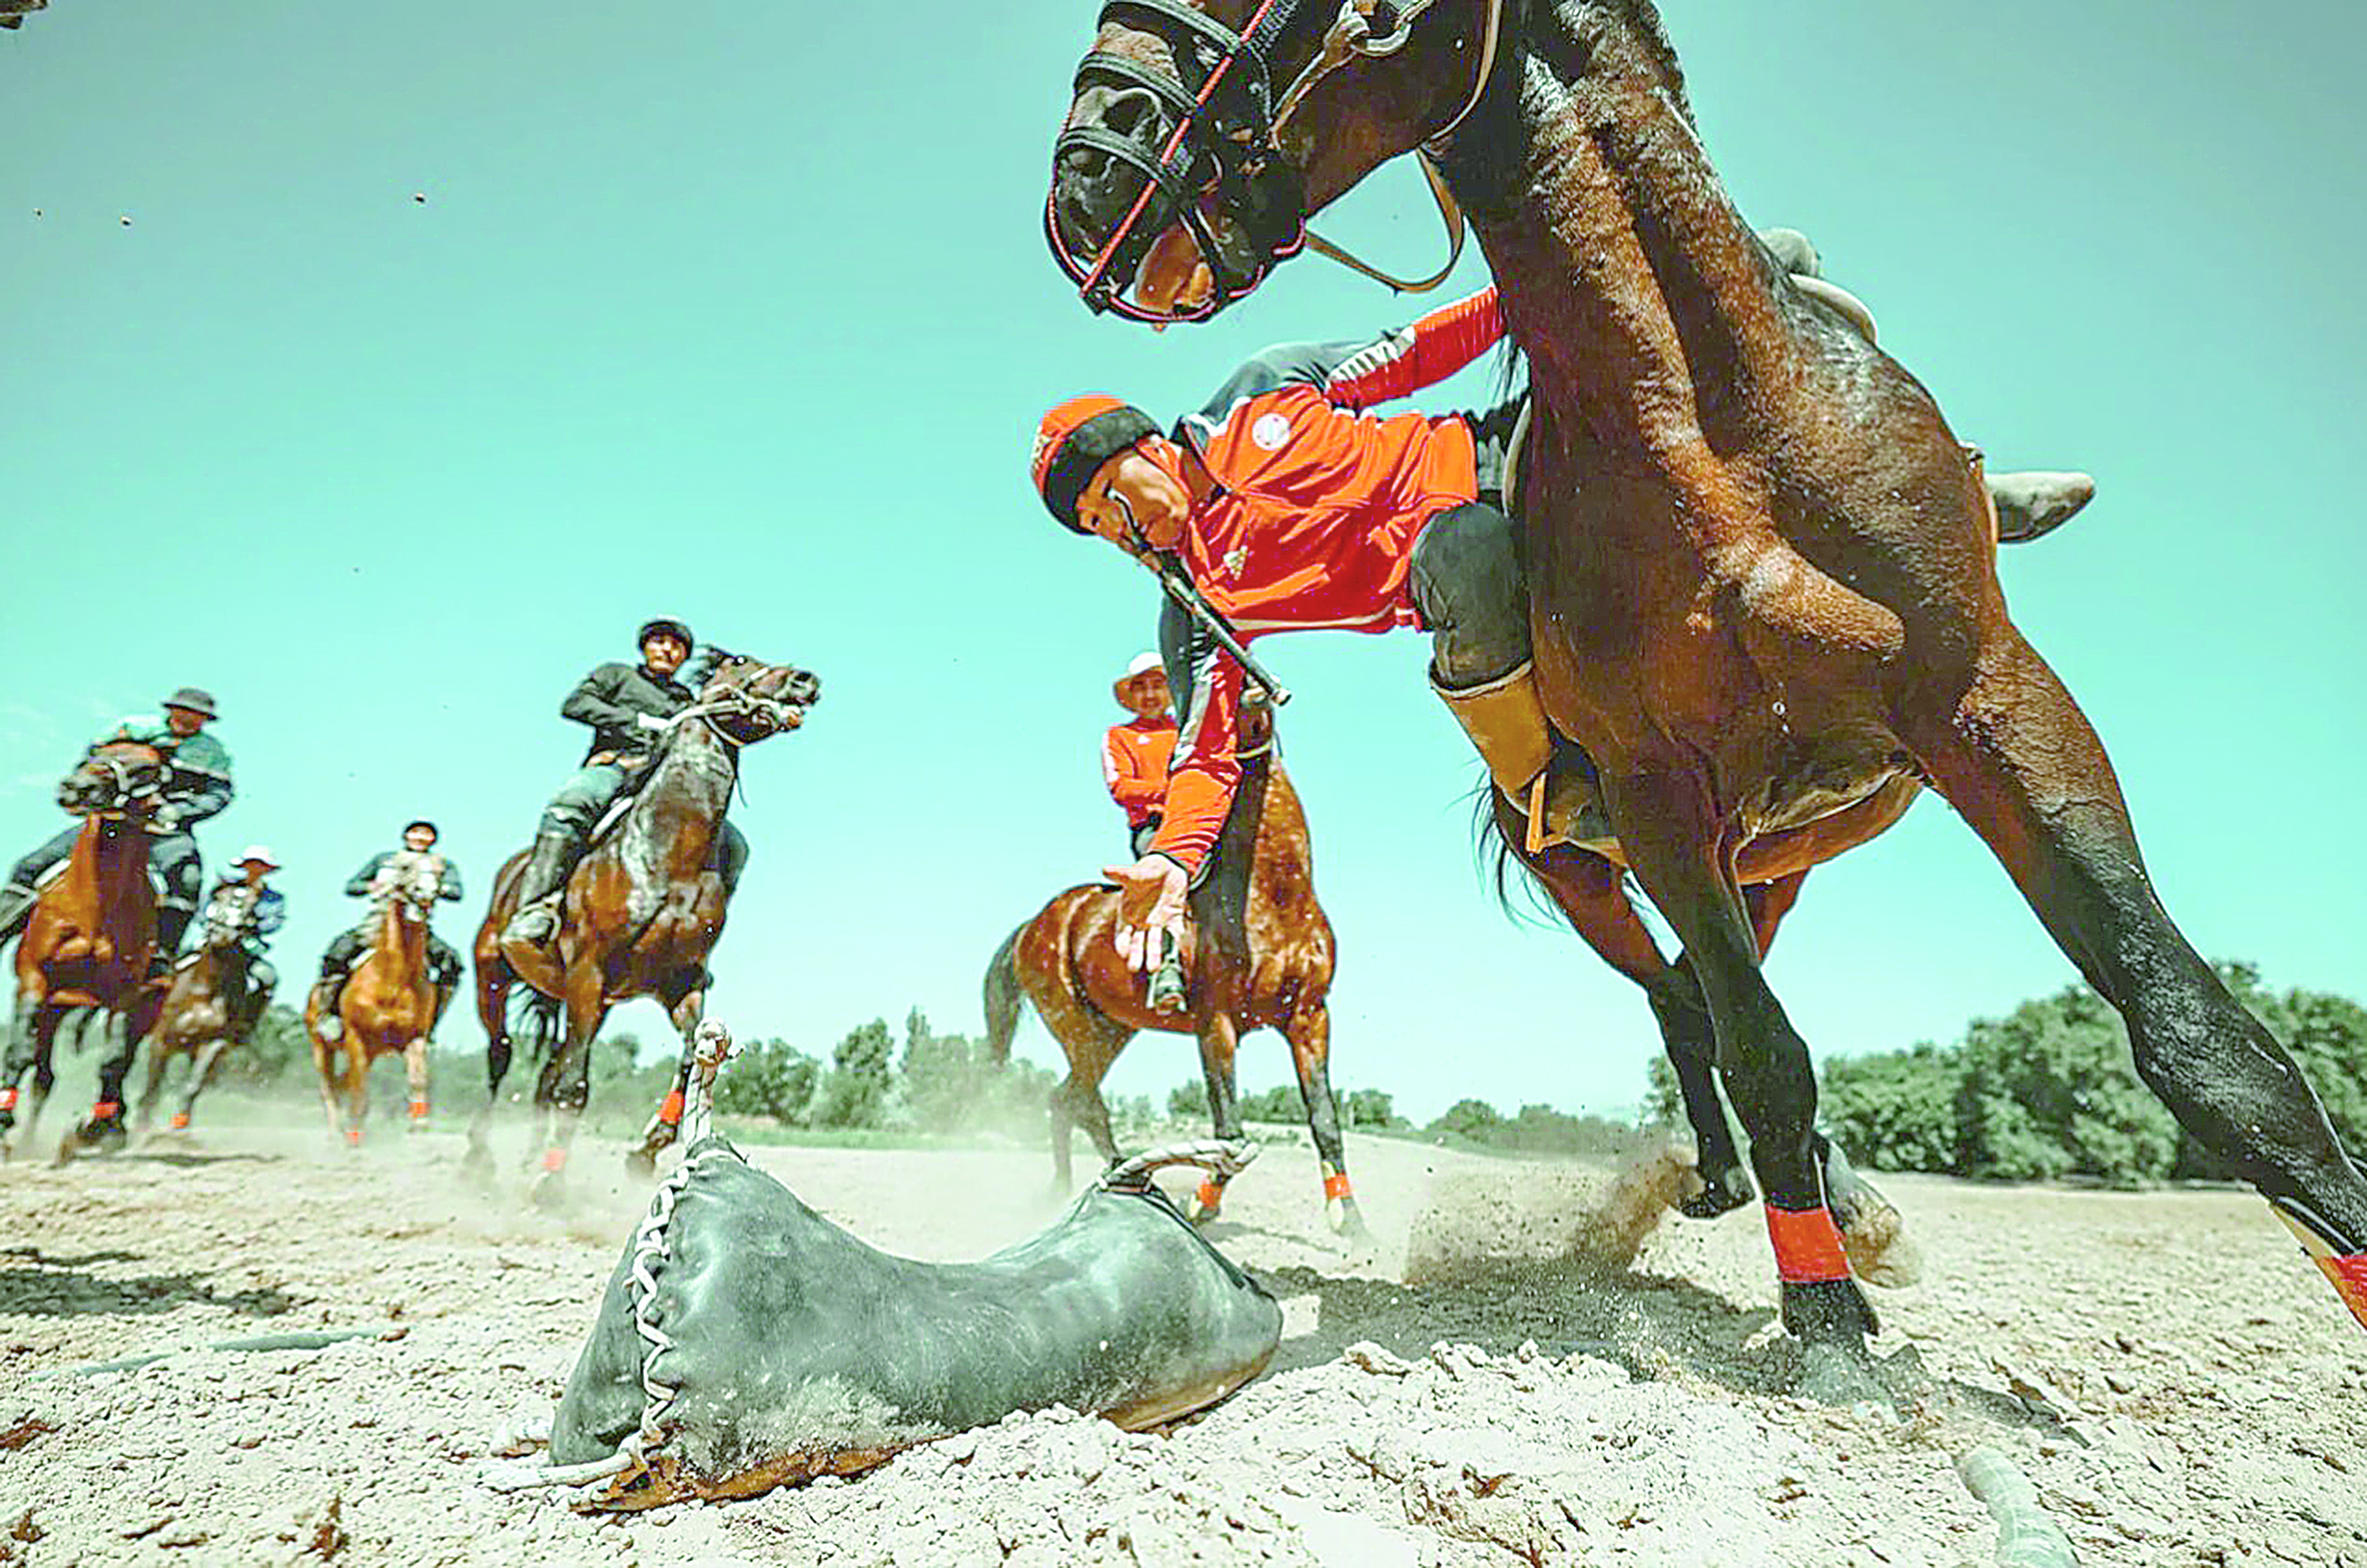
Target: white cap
257, 852
1142, 664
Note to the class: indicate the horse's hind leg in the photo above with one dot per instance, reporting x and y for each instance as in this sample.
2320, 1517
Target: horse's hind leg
2019, 761
324, 1066
1078, 1102
1671, 831
414, 1068
566, 1083
17, 1054
1310, 1033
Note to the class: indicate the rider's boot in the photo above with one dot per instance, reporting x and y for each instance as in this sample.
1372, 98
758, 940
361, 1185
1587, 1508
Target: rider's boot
16, 902
328, 988
536, 920
171, 921
1506, 721
2033, 504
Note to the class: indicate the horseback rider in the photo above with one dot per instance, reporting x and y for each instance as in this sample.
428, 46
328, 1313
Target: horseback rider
629, 709
389, 868
196, 786
1290, 507
1133, 754
244, 906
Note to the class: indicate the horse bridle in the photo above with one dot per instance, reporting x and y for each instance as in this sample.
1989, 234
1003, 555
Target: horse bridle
122, 791
1226, 142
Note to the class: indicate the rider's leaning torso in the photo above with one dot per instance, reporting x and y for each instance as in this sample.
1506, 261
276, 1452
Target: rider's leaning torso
198, 781
608, 699
1311, 520
447, 875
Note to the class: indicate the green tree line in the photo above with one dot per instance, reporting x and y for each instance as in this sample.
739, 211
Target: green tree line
2050, 1091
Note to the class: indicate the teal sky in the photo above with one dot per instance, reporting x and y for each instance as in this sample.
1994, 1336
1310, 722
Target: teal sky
740, 312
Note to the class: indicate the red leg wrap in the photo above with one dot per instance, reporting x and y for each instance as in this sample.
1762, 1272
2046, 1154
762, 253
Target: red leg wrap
1335, 1185
1210, 1195
2349, 1277
554, 1159
1807, 1245
180, 1120
354, 1136
418, 1110
671, 1111
105, 1108
8, 1097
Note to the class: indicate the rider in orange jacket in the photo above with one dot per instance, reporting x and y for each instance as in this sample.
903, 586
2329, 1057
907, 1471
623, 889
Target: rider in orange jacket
1291, 508
1134, 754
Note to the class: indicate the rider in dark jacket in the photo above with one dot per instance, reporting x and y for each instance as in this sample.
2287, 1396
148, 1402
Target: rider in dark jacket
629, 709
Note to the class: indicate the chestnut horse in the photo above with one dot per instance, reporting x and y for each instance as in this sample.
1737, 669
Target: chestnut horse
84, 954
196, 1015
388, 1005
1258, 953
1762, 568
641, 914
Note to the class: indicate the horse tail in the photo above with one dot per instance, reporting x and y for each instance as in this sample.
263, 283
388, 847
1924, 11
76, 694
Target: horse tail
1492, 858
1002, 996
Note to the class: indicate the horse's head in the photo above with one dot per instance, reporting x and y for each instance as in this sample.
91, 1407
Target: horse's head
119, 778
748, 700
1203, 132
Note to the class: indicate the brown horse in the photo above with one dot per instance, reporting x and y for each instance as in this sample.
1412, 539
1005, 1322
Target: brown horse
1762, 568
1258, 954
389, 1005
84, 956
197, 1016
642, 911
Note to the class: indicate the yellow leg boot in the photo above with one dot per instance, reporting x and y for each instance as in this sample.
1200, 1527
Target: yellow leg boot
1506, 722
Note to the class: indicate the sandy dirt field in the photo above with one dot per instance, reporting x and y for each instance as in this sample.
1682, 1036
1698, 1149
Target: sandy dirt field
2177, 1380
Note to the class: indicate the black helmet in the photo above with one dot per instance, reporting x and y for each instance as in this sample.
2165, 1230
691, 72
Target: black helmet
423, 822
666, 626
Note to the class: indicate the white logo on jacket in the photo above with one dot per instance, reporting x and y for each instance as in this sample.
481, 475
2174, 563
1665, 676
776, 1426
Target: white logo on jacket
1270, 432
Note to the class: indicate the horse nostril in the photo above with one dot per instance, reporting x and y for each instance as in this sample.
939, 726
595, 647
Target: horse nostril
1130, 113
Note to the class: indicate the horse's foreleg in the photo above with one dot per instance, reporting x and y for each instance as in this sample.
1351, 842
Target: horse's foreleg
358, 1066
1310, 1033
144, 1116
15, 1055
202, 1072
665, 1123
1672, 835
324, 1066
1219, 1044
566, 1084
1591, 893
2020, 761
1690, 1040
415, 1067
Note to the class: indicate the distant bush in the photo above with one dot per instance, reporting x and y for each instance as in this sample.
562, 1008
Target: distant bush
769, 1078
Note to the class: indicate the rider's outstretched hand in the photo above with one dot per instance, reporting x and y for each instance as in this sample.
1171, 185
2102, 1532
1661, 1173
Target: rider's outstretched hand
1151, 904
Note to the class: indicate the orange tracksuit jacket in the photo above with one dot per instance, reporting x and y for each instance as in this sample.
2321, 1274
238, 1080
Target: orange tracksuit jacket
1312, 522
1134, 766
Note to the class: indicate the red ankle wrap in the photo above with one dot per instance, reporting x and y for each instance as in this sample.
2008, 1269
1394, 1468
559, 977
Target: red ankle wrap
671, 1111
1807, 1245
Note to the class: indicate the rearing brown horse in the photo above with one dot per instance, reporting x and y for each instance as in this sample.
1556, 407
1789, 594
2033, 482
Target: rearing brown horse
641, 914
1762, 570
1259, 953
87, 948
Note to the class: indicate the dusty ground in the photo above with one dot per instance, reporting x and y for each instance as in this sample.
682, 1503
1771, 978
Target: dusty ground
2211, 1399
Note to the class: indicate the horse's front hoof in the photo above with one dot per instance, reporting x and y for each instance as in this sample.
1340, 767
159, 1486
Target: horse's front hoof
1874, 1232
641, 1162
1721, 1192
1347, 1220
1840, 1374
549, 1193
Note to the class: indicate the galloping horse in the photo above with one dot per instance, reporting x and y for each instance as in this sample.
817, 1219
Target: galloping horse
1258, 954
641, 911
1762, 568
196, 1015
388, 1005
87, 948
